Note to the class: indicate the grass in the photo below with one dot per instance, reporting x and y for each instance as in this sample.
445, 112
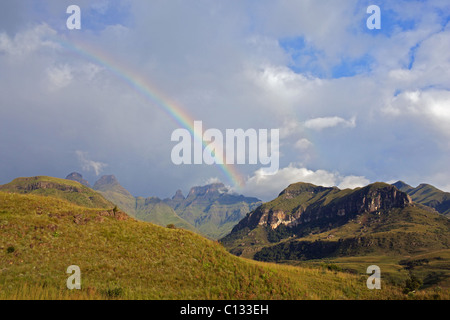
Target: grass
124, 258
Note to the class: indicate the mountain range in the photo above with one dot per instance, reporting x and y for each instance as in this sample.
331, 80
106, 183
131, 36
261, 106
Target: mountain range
210, 210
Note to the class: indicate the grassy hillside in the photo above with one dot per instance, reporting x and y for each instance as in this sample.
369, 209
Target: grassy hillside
69, 190
121, 257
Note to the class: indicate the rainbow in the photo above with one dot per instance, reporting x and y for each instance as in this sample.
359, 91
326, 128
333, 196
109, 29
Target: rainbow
143, 86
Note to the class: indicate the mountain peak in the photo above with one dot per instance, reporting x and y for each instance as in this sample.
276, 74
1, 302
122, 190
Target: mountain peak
110, 183
401, 185
75, 176
213, 188
178, 195
108, 180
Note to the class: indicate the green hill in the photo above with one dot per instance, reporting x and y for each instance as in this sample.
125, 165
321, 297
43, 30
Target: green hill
65, 189
427, 195
122, 258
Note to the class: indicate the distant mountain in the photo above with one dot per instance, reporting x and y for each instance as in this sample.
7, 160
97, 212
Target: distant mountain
427, 195
312, 222
71, 191
209, 210
212, 209
75, 176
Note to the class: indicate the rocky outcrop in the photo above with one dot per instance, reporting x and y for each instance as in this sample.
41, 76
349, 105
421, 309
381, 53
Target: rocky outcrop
331, 205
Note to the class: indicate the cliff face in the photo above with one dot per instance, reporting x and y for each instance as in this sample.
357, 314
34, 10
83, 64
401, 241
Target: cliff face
328, 204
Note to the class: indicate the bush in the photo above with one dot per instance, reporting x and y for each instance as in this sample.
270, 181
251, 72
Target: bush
10, 249
171, 226
412, 284
113, 293
331, 267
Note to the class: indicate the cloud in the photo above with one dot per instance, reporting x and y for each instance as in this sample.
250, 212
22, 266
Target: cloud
303, 144
225, 63
59, 76
88, 164
352, 182
429, 106
329, 122
268, 187
26, 42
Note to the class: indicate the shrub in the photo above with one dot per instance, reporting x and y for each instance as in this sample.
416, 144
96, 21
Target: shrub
10, 249
113, 293
412, 284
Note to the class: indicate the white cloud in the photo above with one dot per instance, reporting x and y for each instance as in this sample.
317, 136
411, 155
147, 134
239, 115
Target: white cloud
268, 187
303, 144
26, 42
59, 76
329, 122
352, 182
430, 106
212, 180
88, 164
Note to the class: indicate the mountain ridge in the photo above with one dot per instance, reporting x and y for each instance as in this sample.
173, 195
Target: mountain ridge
427, 195
209, 210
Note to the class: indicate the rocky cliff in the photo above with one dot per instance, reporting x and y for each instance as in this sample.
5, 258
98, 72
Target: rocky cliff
304, 203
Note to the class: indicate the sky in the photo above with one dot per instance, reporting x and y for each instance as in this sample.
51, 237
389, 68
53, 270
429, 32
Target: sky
353, 105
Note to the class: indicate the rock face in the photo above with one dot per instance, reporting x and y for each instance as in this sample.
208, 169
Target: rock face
316, 204
75, 176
